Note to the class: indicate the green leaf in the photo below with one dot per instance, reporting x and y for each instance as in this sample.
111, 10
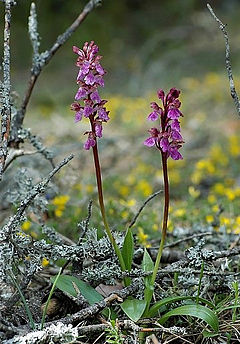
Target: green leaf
66, 284
148, 265
207, 334
197, 311
128, 249
134, 308
168, 300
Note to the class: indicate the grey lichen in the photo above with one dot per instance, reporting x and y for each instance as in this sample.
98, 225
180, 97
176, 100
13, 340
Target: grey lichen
20, 189
59, 334
33, 31
25, 134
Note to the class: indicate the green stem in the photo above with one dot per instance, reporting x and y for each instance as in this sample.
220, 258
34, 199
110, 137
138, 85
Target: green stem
49, 298
164, 230
165, 217
102, 208
29, 314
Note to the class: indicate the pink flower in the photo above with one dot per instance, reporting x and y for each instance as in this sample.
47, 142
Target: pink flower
81, 93
173, 113
89, 79
167, 137
150, 142
89, 143
153, 116
78, 115
98, 129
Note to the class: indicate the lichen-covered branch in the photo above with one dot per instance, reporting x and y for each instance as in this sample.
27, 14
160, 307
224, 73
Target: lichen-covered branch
41, 60
14, 154
39, 188
5, 91
227, 60
33, 31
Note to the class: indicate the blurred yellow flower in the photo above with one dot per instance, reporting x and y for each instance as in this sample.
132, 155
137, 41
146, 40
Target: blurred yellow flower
34, 234
218, 156
206, 165
60, 202
142, 237
131, 202
238, 220
124, 190
230, 194
58, 212
124, 214
219, 188
155, 227
211, 198
234, 145
225, 221
209, 218
237, 192
196, 177
194, 193
45, 262
180, 212
144, 187
215, 208
26, 225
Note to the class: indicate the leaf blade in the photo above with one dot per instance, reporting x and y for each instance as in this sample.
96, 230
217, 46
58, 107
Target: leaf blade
168, 300
196, 311
65, 283
134, 308
128, 249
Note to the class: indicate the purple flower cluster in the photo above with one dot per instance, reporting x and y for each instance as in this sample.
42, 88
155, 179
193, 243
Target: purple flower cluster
167, 137
89, 78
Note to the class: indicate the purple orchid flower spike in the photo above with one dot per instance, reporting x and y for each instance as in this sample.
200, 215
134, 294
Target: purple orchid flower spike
167, 137
89, 104
89, 79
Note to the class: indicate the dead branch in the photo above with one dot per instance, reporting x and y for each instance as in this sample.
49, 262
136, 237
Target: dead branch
39, 188
14, 154
39, 61
142, 207
197, 235
5, 90
227, 59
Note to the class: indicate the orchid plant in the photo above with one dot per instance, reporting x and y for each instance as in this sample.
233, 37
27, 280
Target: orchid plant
88, 104
166, 137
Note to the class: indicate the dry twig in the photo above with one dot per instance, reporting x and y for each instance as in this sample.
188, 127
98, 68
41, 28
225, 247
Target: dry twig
5, 90
227, 60
142, 207
39, 61
39, 188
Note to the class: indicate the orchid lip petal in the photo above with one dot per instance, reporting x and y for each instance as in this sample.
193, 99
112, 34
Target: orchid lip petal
149, 142
153, 116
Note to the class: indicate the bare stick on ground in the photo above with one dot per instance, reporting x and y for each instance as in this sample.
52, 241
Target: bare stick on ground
227, 60
5, 90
